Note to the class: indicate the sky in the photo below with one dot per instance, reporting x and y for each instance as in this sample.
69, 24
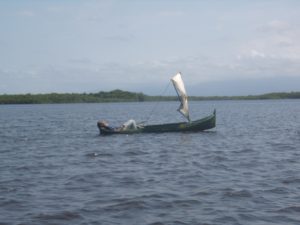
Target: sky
232, 47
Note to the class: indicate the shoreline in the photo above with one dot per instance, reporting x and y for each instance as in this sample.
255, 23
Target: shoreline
125, 96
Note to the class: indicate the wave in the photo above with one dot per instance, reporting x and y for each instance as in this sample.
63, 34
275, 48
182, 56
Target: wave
291, 180
126, 205
10, 203
277, 190
95, 154
290, 209
64, 215
237, 194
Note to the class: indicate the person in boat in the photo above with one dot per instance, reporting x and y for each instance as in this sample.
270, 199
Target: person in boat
104, 124
129, 125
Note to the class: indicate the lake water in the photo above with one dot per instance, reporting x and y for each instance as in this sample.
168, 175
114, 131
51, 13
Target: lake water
56, 169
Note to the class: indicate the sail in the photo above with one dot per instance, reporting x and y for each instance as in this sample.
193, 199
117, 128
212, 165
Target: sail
180, 89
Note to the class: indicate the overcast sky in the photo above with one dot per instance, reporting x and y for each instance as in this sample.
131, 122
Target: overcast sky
232, 47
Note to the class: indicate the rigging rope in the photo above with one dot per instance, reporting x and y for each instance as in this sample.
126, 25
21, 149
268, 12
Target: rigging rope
155, 106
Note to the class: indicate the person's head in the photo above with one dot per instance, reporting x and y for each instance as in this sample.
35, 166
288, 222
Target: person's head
102, 123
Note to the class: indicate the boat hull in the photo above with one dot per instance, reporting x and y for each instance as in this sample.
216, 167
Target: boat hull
205, 123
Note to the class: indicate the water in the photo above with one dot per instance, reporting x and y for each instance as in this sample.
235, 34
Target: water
56, 169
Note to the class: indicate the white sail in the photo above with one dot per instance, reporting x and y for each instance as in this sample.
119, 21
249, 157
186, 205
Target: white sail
180, 89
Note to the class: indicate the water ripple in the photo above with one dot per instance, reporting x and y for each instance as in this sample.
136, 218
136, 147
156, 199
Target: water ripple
55, 169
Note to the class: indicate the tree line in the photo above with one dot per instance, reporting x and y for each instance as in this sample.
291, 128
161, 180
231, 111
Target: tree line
111, 96
124, 96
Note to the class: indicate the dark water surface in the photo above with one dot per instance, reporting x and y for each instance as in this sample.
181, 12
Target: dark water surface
56, 169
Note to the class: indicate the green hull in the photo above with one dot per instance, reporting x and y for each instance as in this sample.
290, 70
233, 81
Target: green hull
206, 123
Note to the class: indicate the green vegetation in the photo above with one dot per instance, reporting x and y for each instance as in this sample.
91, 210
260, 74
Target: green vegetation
275, 95
111, 96
125, 96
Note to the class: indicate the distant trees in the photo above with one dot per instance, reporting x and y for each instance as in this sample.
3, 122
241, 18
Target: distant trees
125, 96
275, 95
119, 95
281, 95
111, 96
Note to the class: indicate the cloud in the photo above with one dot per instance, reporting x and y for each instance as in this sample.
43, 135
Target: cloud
275, 26
82, 61
26, 13
171, 13
254, 53
273, 51
119, 38
55, 9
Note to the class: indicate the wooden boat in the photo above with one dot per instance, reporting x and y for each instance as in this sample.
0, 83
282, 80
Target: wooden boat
205, 123
197, 125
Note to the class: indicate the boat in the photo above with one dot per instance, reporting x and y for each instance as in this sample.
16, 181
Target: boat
202, 124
